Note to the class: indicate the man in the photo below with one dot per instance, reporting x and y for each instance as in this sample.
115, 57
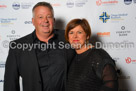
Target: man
42, 66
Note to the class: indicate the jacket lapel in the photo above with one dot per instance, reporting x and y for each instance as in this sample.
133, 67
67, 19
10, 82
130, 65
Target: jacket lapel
33, 58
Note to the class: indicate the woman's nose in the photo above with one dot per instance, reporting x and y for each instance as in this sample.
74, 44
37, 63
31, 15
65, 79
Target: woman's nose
75, 35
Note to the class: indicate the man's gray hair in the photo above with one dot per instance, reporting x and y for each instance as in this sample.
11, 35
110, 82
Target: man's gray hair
45, 4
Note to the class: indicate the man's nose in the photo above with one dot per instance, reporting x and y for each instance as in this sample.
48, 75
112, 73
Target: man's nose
45, 20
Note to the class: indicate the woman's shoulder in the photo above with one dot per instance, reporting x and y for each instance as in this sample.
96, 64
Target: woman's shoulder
100, 59
100, 53
101, 56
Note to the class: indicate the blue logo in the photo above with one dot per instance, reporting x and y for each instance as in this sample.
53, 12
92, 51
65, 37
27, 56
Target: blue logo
127, 2
1, 80
16, 5
2, 64
104, 17
7, 21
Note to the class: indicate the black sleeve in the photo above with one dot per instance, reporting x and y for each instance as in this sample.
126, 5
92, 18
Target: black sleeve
104, 67
109, 79
11, 77
70, 56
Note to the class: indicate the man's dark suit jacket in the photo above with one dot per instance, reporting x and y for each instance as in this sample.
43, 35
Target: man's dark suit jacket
24, 63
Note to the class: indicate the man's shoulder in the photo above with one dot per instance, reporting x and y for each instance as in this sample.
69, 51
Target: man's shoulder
21, 43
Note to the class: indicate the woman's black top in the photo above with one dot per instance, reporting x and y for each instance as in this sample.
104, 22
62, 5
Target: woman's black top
93, 70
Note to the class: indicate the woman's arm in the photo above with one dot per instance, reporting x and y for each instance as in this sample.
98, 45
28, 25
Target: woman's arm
109, 78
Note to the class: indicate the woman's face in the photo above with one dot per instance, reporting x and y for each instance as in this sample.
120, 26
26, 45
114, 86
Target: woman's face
77, 37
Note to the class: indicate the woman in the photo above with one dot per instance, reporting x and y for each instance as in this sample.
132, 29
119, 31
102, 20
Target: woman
92, 69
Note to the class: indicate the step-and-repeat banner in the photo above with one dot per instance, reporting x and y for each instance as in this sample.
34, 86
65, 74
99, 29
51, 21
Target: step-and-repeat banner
113, 24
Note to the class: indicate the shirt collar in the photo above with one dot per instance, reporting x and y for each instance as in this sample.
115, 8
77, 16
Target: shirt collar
35, 39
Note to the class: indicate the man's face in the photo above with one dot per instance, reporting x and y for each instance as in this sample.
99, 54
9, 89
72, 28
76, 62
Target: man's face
43, 20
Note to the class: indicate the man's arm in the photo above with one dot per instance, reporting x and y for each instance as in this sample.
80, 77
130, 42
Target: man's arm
11, 77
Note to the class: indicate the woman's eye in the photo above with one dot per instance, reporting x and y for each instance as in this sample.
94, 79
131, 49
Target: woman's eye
79, 32
70, 32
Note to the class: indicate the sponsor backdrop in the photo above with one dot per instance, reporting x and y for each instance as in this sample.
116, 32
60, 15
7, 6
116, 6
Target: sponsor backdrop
113, 24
